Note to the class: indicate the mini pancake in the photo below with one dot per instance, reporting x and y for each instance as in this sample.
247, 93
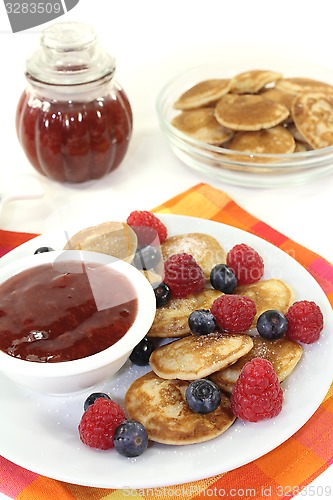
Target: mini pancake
249, 112
112, 238
278, 95
250, 82
200, 124
299, 84
205, 249
171, 321
161, 406
197, 356
313, 117
276, 140
268, 294
283, 354
204, 93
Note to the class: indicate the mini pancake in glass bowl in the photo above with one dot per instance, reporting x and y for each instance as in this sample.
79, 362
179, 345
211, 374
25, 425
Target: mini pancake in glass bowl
260, 123
70, 319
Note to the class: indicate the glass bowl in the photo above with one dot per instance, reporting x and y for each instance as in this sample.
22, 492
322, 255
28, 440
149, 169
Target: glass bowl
235, 167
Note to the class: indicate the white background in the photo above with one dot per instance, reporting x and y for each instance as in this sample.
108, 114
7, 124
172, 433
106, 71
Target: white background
153, 41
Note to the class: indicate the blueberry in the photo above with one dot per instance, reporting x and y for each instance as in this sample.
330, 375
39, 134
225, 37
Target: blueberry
223, 278
147, 257
92, 398
141, 352
272, 325
203, 396
130, 438
162, 294
43, 250
202, 321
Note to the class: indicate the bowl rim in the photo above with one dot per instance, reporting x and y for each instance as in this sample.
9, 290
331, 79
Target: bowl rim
225, 153
146, 308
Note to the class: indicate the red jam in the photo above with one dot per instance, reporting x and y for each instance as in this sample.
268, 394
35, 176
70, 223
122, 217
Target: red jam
73, 141
64, 311
74, 121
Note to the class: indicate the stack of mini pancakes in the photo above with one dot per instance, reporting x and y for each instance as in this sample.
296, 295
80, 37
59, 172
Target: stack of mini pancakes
157, 399
258, 111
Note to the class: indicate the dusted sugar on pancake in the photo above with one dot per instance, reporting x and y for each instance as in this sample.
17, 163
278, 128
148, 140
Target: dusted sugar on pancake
197, 356
283, 354
161, 406
171, 320
205, 249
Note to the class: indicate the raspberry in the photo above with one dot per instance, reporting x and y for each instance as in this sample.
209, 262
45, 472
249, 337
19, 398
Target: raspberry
99, 422
246, 263
257, 394
183, 275
147, 227
234, 313
305, 322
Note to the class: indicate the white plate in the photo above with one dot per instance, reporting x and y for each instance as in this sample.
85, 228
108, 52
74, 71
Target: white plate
39, 432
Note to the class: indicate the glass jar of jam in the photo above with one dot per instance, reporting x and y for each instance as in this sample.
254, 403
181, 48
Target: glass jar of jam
74, 121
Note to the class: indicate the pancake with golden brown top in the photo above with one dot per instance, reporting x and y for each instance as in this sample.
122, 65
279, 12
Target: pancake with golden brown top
160, 405
249, 112
200, 124
278, 95
298, 85
283, 354
171, 321
250, 82
268, 294
205, 249
112, 238
313, 117
203, 93
276, 140
197, 356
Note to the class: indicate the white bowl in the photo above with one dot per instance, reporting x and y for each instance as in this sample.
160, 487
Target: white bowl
77, 375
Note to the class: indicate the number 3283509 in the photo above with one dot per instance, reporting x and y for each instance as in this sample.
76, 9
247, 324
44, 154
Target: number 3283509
33, 8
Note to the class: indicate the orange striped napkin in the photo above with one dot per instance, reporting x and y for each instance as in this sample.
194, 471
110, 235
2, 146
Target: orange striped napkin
280, 474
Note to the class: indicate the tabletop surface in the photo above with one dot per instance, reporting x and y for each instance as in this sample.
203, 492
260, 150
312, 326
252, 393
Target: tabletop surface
153, 43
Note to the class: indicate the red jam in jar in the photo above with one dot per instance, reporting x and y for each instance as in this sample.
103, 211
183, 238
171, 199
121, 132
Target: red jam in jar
74, 121
71, 310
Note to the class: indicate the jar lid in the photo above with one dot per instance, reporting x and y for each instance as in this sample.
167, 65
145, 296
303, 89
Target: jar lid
69, 54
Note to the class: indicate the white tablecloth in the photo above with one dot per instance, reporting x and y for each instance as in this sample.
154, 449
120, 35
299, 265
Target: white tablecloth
152, 42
